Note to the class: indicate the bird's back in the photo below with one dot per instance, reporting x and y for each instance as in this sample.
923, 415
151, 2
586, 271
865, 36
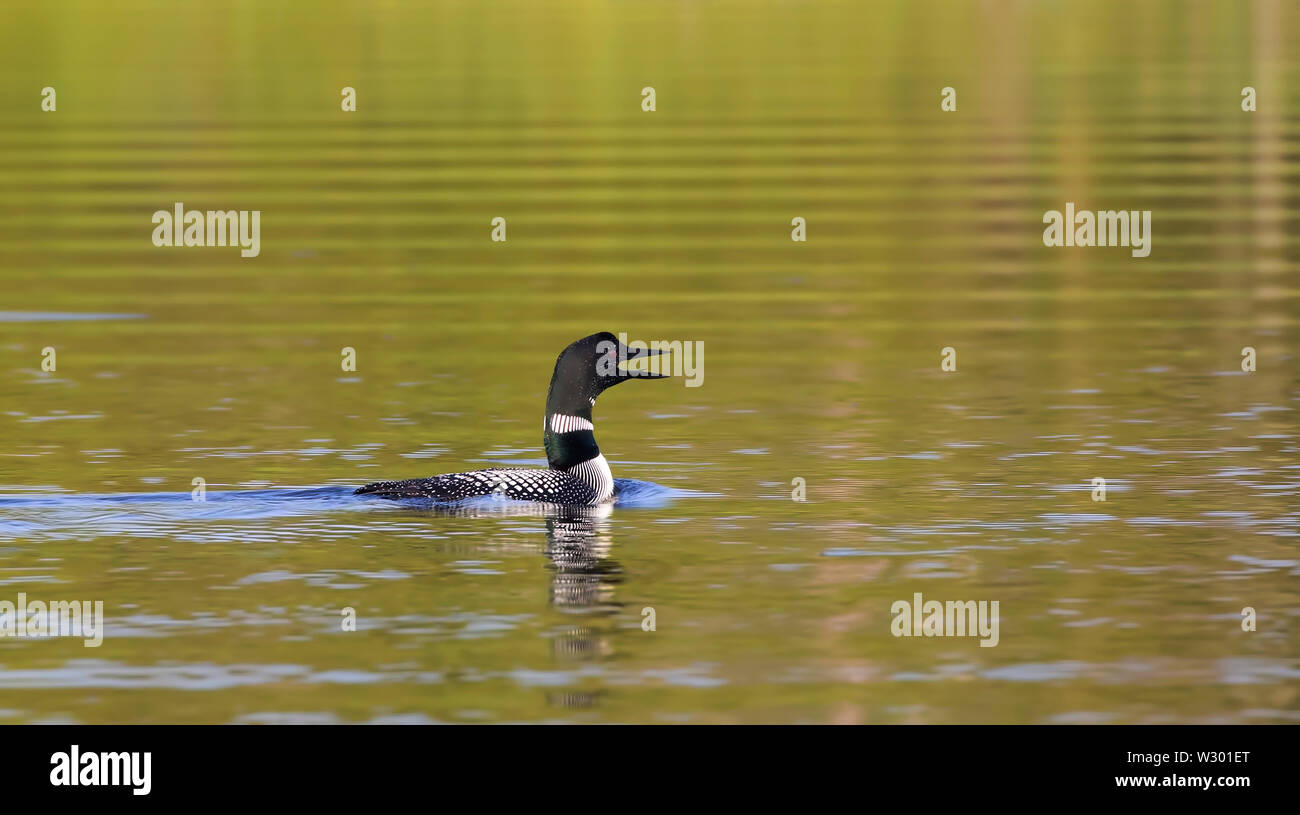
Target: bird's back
549, 486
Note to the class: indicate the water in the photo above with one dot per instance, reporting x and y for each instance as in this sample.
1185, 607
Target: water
822, 361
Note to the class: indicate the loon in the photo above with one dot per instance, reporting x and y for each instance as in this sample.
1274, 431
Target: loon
578, 474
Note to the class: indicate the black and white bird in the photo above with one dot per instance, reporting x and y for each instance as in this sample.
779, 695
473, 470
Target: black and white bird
578, 473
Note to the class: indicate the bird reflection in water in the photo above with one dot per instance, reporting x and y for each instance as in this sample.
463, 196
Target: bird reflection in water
578, 545
583, 577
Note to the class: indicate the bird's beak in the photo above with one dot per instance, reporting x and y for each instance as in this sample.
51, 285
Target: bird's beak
642, 370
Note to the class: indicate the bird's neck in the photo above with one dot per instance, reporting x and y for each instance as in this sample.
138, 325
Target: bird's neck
569, 438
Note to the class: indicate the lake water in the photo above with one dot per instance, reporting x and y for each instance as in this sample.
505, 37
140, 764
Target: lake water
822, 360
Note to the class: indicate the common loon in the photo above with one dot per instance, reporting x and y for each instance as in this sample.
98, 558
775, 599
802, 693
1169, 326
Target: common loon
578, 474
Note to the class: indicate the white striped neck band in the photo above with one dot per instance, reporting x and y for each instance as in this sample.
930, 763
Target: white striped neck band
562, 423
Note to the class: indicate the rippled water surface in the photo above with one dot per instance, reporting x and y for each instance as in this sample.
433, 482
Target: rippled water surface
822, 360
